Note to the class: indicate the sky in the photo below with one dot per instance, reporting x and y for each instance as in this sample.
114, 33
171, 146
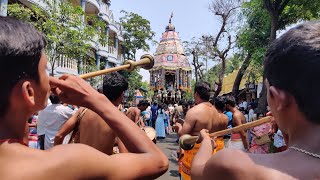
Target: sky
191, 18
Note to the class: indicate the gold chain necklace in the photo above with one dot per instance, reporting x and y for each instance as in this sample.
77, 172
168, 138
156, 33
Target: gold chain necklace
305, 152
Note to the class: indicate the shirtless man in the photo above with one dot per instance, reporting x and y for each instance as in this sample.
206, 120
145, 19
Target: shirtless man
93, 129
291, 69
133, 113
25, 89
220, 105
237, 140
202, 116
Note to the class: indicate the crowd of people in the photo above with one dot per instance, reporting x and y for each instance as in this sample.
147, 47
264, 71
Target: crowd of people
91, 123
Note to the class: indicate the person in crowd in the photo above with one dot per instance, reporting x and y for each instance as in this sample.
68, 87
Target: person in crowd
243, 105
147, 116
167, 119
229, 114
90, 128
52, 118
154, 109
40, 129
171, 113
294, 100
133, 113
237, 140
278, 139
33, 136
219, 103
25, 89
251, 114
202, 116
260, 141
160, 122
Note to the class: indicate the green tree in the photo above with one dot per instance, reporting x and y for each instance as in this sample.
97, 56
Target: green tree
146, 86
62, 24
194, 48
282, 14
253, 38
137, 31
219, 46
134, 80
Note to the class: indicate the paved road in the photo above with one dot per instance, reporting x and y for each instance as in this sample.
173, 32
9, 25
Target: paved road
167, 146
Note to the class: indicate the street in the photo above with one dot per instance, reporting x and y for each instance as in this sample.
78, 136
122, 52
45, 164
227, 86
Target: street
169, 145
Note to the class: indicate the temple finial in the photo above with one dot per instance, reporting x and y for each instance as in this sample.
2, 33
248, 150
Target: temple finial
171, 16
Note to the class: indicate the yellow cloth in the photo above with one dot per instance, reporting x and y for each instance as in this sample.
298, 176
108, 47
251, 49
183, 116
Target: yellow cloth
189, 155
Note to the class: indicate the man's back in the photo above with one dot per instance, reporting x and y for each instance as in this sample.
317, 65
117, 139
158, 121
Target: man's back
95, 132
221, 123
204, 116
238, 117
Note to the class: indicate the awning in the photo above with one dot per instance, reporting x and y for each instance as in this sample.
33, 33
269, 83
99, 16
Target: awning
228, 82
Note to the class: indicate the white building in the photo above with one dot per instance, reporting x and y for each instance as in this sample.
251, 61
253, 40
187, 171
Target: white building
110, 54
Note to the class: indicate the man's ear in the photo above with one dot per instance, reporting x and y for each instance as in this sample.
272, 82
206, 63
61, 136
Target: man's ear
28, 93
281, 98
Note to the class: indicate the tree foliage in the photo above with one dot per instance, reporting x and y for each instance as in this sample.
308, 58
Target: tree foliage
134, 80
225, 10
194, 47
62, 24
137, 31
282, 14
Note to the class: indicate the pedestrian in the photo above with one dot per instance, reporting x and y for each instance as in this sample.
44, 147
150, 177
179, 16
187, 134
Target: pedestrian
160, 122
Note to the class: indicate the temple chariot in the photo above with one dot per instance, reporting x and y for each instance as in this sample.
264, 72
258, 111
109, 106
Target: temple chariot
170, 77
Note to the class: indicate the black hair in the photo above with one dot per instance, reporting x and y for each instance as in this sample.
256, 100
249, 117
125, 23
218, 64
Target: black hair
54, 99
161, 107
203, 89
220, 102
21, 47
143, 103
292, 64
114, 85
229, 100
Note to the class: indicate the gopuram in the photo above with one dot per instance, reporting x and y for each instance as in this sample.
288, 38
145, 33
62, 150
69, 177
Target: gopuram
170, 77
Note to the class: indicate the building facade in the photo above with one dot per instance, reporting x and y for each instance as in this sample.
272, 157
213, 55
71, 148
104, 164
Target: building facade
110, 53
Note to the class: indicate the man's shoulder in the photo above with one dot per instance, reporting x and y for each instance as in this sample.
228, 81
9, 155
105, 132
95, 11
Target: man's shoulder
238, 115
202, 107
223, 163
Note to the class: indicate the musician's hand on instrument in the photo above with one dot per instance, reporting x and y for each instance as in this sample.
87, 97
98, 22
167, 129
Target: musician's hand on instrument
204, 133
74, 90
177, 126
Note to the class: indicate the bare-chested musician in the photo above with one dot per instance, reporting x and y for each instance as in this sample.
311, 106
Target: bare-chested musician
25, 89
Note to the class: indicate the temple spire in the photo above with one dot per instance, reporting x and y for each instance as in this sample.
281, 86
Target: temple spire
170, 26
171, 16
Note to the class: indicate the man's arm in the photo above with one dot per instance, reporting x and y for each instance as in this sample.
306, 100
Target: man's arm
189, 123
66, 128
223, 166
203, 155
137, 116
121, 146
146, 162
237, 122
